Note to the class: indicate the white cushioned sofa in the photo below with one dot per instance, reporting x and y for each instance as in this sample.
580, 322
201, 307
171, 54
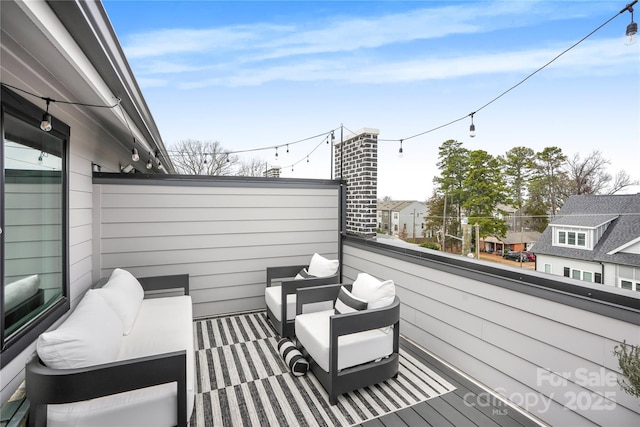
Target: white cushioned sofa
121, 358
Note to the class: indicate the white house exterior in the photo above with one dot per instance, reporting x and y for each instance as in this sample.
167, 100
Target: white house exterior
594, 239
66, 51
406, 217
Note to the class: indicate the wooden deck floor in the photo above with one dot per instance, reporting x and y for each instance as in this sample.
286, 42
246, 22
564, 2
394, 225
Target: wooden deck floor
469, 405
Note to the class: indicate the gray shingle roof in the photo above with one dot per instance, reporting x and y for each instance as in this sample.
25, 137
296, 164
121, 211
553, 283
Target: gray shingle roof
623, 211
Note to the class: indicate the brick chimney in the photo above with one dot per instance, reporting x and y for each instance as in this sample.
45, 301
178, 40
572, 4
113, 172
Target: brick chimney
356, 162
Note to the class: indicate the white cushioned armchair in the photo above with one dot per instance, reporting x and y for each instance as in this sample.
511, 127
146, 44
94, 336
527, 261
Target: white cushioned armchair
355, 348
320, 271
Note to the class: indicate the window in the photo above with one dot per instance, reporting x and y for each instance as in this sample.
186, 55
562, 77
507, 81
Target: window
547, 268
567, 272
630, 284
33, 243
597, 277
575, 274
582, 239
572, 238
587, 276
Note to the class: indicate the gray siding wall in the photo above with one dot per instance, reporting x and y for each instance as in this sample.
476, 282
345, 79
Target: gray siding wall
224, 235
517, 344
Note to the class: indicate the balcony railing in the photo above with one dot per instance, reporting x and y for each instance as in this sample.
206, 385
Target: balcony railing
544, 342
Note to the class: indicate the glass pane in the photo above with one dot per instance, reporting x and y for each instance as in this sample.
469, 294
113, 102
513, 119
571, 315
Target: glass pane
581, 239
575, 274
562, 237
571, 238
625, 284
33, 229
587, 276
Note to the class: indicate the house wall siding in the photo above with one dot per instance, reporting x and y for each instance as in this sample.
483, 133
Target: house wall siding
510, 341
223, 236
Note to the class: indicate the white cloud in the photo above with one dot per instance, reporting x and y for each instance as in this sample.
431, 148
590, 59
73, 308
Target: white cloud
588, 57
342, 34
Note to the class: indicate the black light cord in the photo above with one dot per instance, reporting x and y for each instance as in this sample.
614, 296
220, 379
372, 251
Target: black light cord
628, 7
49, 100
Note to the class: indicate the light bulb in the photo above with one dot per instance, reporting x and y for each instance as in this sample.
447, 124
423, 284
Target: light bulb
632, 30
472, 130
134, 154
400, 151
149, 164
45, 124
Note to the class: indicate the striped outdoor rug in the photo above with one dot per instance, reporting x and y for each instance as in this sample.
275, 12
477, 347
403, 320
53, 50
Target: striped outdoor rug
241, 380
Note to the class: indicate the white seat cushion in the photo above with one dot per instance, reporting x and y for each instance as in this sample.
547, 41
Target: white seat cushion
273, 298
163, 325
312, 330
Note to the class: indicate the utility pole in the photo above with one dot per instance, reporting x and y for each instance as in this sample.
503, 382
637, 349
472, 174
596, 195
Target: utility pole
444, 224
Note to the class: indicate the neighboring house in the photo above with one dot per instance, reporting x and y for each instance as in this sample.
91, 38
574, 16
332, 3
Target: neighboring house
406, 217
513, 241
594, 239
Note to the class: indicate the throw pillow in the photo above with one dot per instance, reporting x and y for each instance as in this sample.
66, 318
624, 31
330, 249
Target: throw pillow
378, 293
91, 335
322, 267
292, 357
303, 274
347, 303
124, 294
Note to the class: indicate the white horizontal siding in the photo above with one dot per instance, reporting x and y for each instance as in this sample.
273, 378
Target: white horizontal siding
224, 237
509, 340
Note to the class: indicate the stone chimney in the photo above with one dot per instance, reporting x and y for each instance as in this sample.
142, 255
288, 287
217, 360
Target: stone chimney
356, 163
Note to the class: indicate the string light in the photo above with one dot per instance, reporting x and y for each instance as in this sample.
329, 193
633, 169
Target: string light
134, 152
149, 164
632, 28
472, 128
45, 124
400, 151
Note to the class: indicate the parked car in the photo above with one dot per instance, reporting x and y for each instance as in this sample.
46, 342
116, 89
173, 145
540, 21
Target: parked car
515, 256
530, 256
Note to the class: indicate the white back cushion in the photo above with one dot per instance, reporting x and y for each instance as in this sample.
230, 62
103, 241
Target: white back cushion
91, 335
322, 267
19, 291
124, 294
378, 293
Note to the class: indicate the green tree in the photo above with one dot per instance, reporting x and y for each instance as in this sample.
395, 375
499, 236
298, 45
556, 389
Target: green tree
453, 162
549, 164
485, 188
536, 207
518, 169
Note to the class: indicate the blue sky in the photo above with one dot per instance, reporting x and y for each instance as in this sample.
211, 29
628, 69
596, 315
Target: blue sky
262, 74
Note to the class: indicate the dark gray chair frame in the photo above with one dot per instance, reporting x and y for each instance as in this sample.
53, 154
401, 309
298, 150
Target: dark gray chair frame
53, 386
349, 379
284, 327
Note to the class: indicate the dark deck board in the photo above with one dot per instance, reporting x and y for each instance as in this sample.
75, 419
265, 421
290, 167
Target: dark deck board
468, 405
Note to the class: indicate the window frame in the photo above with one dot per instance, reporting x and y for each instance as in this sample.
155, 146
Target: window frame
23, 110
